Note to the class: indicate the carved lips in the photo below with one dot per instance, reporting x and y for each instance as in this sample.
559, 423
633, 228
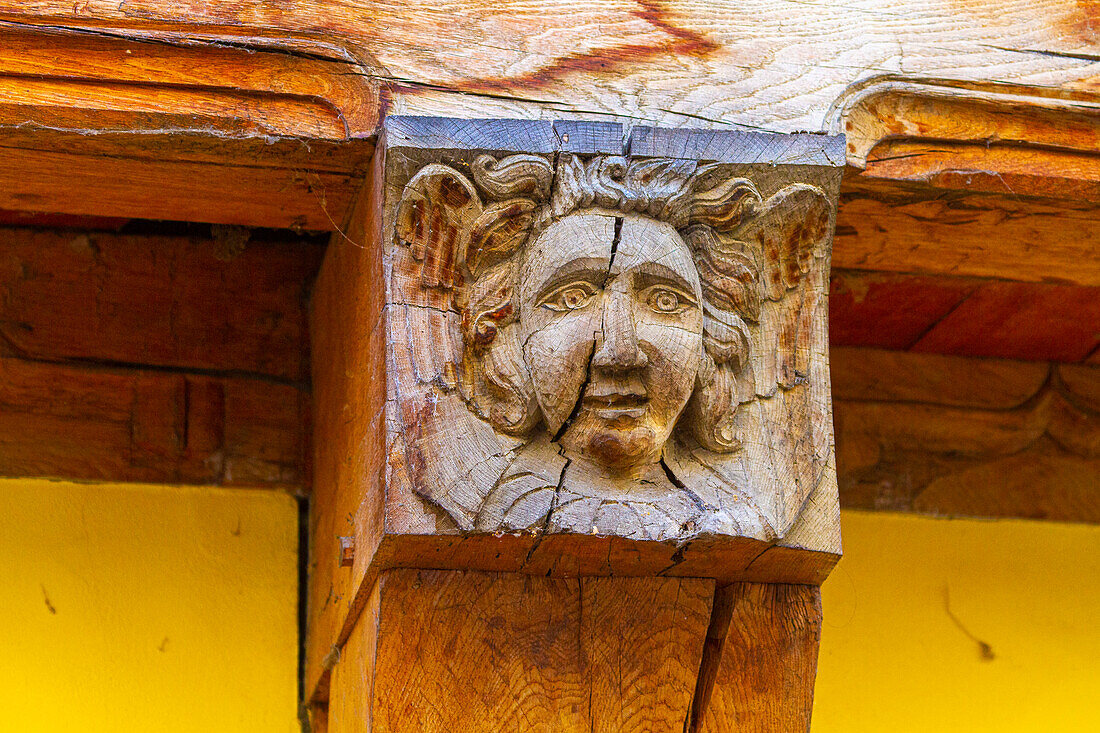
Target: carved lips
615, 406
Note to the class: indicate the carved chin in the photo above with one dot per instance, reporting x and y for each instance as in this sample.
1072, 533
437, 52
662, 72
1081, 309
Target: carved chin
622, 448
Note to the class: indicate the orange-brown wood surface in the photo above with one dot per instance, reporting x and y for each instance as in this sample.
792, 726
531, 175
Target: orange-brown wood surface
350, 704
349, 387
449, 650
918, 229
47, 172
673, 63
231, 131
766, 639
185, 301
143, 357
956, 436
992, 167
964, 316
250, 86
454, 650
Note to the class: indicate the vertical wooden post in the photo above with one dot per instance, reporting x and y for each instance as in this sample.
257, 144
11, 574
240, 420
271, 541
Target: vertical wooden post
574, 419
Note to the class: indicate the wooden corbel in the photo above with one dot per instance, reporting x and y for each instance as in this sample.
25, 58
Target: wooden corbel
573, 406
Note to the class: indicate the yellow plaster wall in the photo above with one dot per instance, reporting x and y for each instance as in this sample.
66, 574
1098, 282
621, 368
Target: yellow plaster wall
893, 660
139, 608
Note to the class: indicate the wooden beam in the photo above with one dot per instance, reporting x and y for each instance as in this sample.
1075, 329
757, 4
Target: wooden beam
225, 131
232, 85
148, 357
231, 303
449, 651
350, 467
47, 173
892, 227
954, 436
109, 424
962, 111
964, 316
762, 649
669, 63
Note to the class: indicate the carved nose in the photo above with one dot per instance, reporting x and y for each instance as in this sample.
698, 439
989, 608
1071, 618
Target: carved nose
617, 343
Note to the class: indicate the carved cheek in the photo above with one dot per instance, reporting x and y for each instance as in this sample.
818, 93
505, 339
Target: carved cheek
557, 356
674, 353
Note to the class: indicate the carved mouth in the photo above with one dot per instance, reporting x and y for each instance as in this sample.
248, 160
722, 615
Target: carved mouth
616, 405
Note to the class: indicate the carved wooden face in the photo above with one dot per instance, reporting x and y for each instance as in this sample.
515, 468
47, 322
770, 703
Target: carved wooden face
611, 332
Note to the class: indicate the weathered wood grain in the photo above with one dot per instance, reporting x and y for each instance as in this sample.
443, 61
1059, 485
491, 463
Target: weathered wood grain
226, 86
766, 642
189, 302
478, 652
452, 650
889, 311
964, 110
674, 64
94, 119
643, 641
1070, 176
868, 375
955, 436
909, 228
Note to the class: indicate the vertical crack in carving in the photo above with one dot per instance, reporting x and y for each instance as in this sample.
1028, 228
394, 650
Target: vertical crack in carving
614, 247
721, 614
580, 395
588, 368
549, 513
671, 476
675, 481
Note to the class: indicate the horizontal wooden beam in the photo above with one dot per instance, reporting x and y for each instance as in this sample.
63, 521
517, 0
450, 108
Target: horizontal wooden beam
672, 63
138, 297
954, 436
223, 130
899, 227
957, 112
106, 424
114, 175
149, 357
965, 316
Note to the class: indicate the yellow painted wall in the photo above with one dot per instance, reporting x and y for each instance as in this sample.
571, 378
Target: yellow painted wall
137, 608
893, 660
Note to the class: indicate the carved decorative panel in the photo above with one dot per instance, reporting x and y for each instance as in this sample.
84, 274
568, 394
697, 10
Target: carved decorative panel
591, 335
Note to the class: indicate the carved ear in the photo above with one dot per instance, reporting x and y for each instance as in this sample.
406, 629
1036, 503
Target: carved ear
438, 208
790, 229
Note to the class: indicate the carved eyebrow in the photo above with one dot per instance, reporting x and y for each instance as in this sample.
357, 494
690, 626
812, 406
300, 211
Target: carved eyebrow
654, 273
592, 270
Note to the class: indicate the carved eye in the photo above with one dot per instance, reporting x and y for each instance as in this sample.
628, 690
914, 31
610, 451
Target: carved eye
569, 297
667, 301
